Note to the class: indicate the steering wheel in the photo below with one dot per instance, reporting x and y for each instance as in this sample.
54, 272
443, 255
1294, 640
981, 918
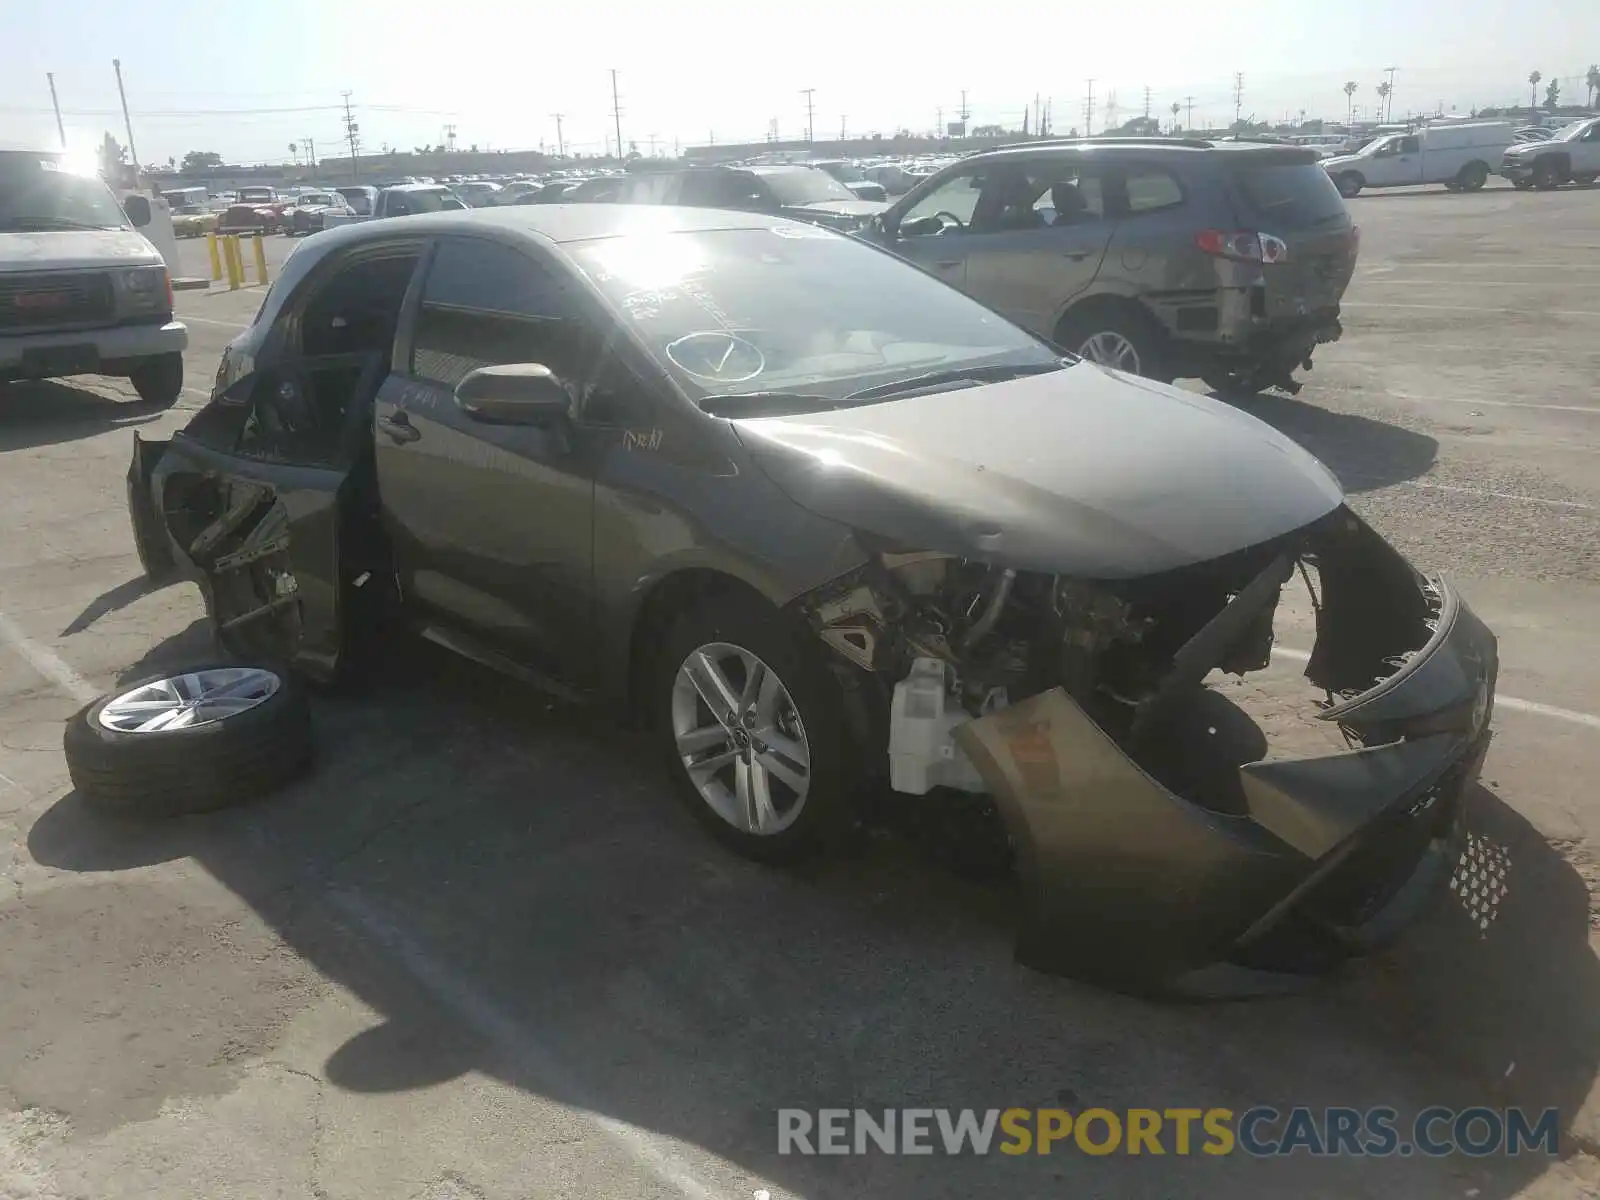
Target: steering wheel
717, 355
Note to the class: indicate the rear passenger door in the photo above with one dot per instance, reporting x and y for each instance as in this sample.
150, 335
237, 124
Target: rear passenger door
1153, 255
1030, 257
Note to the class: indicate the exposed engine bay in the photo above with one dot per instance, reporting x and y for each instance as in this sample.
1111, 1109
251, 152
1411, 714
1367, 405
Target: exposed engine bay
1133, 783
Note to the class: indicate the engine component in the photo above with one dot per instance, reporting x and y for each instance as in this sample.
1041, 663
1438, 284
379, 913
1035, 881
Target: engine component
922, 717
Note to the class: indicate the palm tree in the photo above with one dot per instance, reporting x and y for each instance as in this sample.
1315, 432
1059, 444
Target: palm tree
1592, 79
1350, 99
1383, 95
1552, 94
1533, 94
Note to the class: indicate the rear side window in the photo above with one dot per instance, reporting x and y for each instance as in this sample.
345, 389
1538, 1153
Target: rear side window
1150, 189
1292, 195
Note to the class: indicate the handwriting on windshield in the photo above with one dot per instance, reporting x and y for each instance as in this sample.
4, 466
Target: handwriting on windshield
641, 439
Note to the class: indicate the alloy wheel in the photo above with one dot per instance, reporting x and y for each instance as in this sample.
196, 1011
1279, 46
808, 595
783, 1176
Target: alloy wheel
740, 739
189, 700
1111, 349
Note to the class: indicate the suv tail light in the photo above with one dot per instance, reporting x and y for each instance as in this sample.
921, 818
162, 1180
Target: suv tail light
1245, 245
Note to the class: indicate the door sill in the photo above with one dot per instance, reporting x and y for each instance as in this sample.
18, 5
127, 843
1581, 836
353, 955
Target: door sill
470, 647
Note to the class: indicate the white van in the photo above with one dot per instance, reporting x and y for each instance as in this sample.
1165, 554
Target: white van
82, 290
1459, 155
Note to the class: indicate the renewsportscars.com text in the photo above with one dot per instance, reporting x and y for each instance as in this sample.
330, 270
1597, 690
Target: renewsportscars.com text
1260, 1132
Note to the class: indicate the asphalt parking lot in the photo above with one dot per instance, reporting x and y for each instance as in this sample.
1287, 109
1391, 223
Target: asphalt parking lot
480, 953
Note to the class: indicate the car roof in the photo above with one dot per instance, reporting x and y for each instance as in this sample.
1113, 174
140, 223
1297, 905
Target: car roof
562, 222
1174, 145
779, 168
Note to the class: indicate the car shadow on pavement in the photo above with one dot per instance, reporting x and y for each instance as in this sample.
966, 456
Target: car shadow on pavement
1363, 453
42, 414
508, 884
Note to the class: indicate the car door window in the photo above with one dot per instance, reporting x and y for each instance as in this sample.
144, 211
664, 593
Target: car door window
1149, 189
487, 304
721, 189
1069, 194
1408, 145
957, 196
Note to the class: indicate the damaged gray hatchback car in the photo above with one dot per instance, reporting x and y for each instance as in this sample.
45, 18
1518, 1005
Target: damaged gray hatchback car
819, 520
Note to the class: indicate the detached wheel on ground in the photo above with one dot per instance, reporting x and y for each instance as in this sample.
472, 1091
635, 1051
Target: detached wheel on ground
750, 724
159, 381
1118, 337
190, 741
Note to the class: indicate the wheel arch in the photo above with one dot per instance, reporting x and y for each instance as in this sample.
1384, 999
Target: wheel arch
1102, 304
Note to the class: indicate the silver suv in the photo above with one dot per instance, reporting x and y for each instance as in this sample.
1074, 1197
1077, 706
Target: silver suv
1164, 257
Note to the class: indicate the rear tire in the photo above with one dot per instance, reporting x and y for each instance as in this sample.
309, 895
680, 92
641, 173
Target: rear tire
804, 719
1121, 338
159, 381
1350, 184
1472, 177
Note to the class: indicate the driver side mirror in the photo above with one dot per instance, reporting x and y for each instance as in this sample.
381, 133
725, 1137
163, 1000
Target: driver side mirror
515, 394
921, 227
138, 210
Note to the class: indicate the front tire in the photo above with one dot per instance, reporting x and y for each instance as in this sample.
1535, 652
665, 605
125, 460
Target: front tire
1350, 185
1586, 178
750, 724
1545, 175
159, 381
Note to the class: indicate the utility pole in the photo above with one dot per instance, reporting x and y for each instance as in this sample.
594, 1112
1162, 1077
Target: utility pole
842, 121
1088, 112
1238, 96
1049, 115
811, 111
352, 133
616, 111
450, 139
1147, 102
61, 131
311, 154
966, 112
1189, 101
1388, 101
652, 140
938, 121
561, 143
127, 123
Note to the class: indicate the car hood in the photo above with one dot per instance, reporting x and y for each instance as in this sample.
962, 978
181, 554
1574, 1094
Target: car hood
845, 208
75, 250
1517, 148
1085, 472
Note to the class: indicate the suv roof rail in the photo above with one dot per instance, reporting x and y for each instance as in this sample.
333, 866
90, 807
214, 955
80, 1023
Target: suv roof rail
1106, 139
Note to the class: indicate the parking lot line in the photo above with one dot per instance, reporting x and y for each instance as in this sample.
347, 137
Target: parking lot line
1472, 491
46, 662
1514, 703
183, 316
1497, 312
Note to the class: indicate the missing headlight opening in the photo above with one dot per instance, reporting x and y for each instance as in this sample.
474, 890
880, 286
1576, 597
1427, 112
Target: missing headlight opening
1135, 742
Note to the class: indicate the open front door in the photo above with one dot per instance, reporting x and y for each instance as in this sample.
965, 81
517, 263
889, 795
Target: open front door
266, 501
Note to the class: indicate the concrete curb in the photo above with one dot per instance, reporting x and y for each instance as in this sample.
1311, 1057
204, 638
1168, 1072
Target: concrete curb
190, 285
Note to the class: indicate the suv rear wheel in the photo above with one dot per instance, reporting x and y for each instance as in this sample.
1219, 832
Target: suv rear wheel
1120, 338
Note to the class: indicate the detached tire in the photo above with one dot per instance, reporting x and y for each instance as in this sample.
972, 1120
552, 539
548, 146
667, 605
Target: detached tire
159, 381
189, 741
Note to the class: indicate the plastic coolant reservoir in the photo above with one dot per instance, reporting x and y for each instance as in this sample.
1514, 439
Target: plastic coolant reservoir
922, 753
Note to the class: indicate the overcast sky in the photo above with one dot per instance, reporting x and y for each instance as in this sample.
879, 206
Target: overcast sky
498, 69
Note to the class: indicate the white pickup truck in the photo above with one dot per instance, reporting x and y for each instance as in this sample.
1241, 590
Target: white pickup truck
82, 291
1459, 154
1571, 153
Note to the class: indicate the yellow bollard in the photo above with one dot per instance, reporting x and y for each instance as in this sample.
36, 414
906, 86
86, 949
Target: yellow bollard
216, 257
261, 261
235, 267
